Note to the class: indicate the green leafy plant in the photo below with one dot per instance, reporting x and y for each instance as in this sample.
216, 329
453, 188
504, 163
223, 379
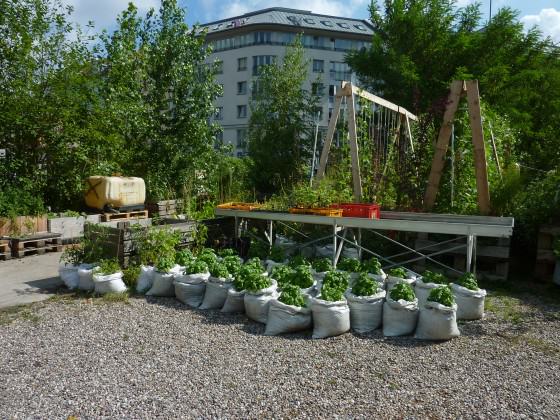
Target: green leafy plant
153, 243
431, 277
468, 280
291, 295
402, 291
443, 295
282, 274
207, 255
336, 280
73, 255
372, 266
351, 265
365, 286
301, 277
298, 260
322, 265
107, 267
399, 272
183, 257
256, 263
258, 249
219, 270
196, 267
130, 276
226, 252
165, 263
277, 254
232, 263
256, 281
242, 275
331, 294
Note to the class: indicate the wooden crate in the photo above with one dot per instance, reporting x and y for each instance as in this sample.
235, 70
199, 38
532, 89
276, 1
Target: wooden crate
108, 217
5, 253
165, 208
35, 244
546, 260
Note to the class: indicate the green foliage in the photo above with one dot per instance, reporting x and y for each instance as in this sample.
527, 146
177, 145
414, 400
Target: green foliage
468, 280
431, 277
196, 266
256, 281
365, 286
153, 243
277, 254
298, 260
331, 294
351, 265
443, 295
372, 266
227, 252
402, 291
240, 278
281, 123
183, 257
301, 277
232, 263
256, 263
165, 263
107, 267
399, 272
322, 265
282, 274
291, 295
20, 202
218, 269
201, 236
207, 255
258, 249
336, 280
130, 276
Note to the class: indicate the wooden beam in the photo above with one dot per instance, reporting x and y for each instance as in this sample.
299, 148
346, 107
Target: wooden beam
442, 144
409, 133
480, 165
354, 153
328, 139
383, 102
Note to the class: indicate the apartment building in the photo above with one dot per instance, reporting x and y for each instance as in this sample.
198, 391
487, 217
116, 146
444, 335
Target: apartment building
242, 44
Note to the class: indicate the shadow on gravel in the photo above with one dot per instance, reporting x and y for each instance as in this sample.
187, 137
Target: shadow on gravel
50, 284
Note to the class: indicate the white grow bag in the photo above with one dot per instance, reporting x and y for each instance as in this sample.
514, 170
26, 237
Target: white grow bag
235, 302
69, 275
283, 319
330, 318
366, 312
216, 293
146, 279
399, 317
85, 275
470, 303
163, 285
190, 288
422, 291
257, 303
393, 281
111, 283
437, 322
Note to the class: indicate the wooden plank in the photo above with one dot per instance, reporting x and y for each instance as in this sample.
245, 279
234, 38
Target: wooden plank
354, 152
481, 169
409, 134
383, 102
442, 144
328, 139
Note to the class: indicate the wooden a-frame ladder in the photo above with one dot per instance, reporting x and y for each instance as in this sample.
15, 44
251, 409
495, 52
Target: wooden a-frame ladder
459, 89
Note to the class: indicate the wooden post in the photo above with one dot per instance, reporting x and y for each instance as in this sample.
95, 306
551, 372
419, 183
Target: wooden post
480, 167
442, 144
328, 139
354, 153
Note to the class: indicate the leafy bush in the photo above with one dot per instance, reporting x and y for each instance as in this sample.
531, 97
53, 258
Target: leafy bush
402, 291
153, 243
399, 272
255, 262
20, 202
73, 255
207, 255
468, 280
365, 286
240, 278
258, 249
232, 263
332, 294
351, 265
183, 257
282, 274
256, 281
301, 277
291, 295
219, 270
226, 252
443, 295
298, 260
107, 267
164, 264
372, 266
277, 254
130, 276
322, 265
431, 277
196, 267
336, 280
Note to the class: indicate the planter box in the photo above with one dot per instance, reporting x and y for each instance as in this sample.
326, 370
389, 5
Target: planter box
71, 228
23, 225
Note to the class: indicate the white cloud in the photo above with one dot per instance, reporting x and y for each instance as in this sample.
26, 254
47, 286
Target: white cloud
548, 21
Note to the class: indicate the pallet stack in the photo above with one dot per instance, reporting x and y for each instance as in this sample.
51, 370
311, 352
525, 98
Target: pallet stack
131, 215
36, 244
5, 253
165, 208
546, 260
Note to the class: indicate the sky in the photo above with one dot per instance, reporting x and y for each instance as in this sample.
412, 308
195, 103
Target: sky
543, 13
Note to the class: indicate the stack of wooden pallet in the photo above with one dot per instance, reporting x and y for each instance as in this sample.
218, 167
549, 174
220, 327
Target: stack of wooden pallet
36, 244
165, 208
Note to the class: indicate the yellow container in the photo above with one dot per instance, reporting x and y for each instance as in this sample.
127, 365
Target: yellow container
115, 191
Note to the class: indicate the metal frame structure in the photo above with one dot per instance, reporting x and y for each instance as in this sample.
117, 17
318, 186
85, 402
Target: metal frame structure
466, 227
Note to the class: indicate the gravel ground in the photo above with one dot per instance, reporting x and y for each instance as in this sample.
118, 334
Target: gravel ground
156, 359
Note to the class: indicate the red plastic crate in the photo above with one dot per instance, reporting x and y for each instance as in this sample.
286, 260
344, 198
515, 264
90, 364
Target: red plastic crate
368, 211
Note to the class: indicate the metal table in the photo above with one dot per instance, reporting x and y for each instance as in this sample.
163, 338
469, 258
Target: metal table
468, 227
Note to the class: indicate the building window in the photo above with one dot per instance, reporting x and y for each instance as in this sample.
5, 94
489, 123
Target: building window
256, 89
219, 113
218, 67
262, 37
340, 71
242, 64
318, 89
241, 111
262, 60
241, 88
318, 113
219, 139
241, 138
318, 66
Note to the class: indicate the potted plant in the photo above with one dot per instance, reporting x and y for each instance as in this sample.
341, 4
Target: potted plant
233, 264
207, 255
288, 313
298, 260
399, 275
259, 291
235, 300
321, 266
70, 260
366, 304
331, 314
277, 256
302, 278
217, 287
424, 285
373, 267
400, 311
257, 264
351, 265
183, 257
163, 277
190, 287
282, 274
438, 318
469, 297
108, 277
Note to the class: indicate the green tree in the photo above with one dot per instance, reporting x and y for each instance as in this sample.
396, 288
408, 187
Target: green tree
281, 123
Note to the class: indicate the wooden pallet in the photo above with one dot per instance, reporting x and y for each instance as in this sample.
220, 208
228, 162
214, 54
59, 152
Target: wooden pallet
35, 244
108, 217
5, 253
165, 208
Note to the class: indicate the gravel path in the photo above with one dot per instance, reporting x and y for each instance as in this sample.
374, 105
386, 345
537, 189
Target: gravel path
156, 359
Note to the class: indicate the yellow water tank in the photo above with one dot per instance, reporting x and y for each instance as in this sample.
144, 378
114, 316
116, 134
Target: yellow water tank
114, 191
